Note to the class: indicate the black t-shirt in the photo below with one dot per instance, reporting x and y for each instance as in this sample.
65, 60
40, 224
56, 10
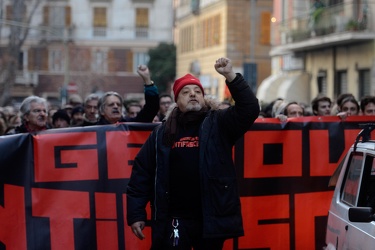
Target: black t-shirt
185, 191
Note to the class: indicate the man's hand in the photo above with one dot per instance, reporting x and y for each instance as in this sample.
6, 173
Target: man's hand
224, 67
143, 72
137, 228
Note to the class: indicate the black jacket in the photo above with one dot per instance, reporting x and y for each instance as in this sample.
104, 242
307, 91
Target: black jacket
221, 208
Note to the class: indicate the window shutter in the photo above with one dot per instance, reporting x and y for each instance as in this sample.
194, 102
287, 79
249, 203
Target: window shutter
111, 61
129, 61
45, 15
142, 18
30, 58
68, 16
265, 33
9, 12
44, 61
100, 17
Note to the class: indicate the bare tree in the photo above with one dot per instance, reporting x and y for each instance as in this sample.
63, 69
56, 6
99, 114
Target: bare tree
19, 26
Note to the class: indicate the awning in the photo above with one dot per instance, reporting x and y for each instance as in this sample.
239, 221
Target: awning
291, 87
267, 90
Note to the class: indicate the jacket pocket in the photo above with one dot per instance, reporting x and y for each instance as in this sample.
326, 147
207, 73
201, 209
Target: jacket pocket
224, 196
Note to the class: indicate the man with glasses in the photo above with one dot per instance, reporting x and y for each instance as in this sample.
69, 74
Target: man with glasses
110, 105
33, 115
165, 102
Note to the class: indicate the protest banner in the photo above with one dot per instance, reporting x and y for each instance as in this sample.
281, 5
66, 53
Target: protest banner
65, 188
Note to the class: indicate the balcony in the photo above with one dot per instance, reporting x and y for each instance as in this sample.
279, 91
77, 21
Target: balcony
339, 24
54, 33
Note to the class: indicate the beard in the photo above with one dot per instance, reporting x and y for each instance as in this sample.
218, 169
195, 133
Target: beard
193, 107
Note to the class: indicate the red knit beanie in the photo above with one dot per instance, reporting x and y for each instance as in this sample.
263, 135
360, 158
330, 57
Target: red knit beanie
183, 81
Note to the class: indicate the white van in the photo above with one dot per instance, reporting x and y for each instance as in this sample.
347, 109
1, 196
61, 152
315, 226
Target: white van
351, 219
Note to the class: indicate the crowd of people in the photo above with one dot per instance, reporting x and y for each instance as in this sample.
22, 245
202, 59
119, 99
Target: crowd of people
193, 144
36, 114
345, 105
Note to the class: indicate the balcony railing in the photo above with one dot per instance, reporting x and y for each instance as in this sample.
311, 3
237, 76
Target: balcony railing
348, 17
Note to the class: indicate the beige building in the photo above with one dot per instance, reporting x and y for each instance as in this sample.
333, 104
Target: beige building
85, 46
209, 29
328, 50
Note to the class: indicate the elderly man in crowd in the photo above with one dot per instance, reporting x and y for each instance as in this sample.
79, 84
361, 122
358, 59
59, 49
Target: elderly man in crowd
90, 107
111, 103
33, 115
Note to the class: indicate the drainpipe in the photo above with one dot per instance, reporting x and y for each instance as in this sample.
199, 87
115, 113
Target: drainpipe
334, 63
252, 28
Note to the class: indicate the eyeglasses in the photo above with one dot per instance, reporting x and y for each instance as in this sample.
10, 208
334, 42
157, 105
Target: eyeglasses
165, 103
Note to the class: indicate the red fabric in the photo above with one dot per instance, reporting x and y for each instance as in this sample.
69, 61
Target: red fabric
183, 81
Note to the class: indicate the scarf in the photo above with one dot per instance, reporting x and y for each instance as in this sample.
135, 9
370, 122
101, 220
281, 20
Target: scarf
184, 119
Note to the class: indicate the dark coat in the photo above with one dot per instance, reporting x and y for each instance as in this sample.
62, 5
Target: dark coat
220, 129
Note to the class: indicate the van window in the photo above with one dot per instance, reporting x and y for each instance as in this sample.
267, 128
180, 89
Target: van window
367, 192
352, 180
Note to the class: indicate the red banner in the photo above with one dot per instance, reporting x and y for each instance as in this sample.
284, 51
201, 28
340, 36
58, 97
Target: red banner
65, 188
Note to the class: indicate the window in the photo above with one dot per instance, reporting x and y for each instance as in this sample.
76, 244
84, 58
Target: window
352, 180
99, 60
37, 58
20, 60
341, 84
187, 39
364, 85
209, 32
322, 82
367, 192
58, 18
100, 21
56, 60
141, 22
265, 31
140, 58
19, 15
120, 60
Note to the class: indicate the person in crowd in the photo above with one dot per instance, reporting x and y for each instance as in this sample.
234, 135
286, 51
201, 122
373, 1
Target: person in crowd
348, 106
90, 107
8, 111
133, 109
185, 168
266, 109
76, 118
61, 119
68, 108
278, 108
156, 119
321, 106
165, 102
110, 105
33, 115
3, 123
336, 106
367, 104
292, 109
224, 104
51, 110
75, 100
13, 122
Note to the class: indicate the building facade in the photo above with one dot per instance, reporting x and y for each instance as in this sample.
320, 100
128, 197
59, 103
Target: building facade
321, 47
86, 46
209, 29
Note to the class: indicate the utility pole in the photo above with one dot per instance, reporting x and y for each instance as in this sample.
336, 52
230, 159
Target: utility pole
64, 91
